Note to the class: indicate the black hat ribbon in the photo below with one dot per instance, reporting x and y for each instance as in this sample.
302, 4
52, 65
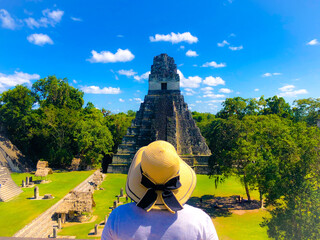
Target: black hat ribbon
168, 198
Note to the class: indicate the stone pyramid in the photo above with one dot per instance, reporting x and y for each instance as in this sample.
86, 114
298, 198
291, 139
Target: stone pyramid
163, 116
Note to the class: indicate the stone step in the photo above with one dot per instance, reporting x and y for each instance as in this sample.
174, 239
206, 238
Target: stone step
8, 188
7, 195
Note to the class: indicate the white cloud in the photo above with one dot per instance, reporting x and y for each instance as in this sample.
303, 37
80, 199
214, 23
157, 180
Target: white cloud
293, 93
256, 89
76, 19
49, 18
128, 73
74, 81
191, 53
207, 89
189, 91
212, 95
107, 57
236, 48
120, 36
288, 91
215, 101
182, 47
232, 35
198, 101
267, 74
223, 43
138, 100
98, 90
225, 90
271, 74
6, 20
190, 82
39, 39
214, 81
174, 38
313, 42
142, 77
121, 100
287, 88
55, 15
214, 64
7, 80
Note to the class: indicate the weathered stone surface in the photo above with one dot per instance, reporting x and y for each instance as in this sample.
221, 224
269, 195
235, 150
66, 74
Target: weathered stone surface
36, 192
163, 116
48, 196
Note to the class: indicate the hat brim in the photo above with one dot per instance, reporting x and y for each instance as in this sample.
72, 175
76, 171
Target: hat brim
135, 190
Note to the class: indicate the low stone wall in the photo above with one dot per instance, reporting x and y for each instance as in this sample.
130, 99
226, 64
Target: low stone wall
123, 161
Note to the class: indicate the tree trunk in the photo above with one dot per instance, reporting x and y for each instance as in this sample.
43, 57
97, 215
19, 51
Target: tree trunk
261, 198
246, 187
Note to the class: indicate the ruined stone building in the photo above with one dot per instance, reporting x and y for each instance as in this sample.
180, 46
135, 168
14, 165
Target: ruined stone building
163, 116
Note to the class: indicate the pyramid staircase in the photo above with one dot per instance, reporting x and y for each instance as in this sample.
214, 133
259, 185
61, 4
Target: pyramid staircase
8, 188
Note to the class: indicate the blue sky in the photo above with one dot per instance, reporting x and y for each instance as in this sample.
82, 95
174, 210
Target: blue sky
223, 48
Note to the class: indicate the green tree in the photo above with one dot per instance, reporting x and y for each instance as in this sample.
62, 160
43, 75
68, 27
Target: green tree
240, 107
227, 141
15, 113
296, 194
92, 136
307, 110
118, 125
57, 92
202, 119
57, 128
277, 105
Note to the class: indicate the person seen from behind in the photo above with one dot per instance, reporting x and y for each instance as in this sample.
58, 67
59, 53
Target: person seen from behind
160, 183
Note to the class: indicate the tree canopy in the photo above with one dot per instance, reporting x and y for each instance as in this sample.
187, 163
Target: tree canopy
49, 122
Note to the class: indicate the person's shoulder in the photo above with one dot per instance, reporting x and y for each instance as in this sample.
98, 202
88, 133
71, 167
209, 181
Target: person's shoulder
123, 208
195, 211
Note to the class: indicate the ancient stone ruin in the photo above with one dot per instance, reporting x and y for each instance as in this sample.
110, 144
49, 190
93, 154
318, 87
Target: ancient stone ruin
8, 188
43, 169
163, 116
76, 207
75, 164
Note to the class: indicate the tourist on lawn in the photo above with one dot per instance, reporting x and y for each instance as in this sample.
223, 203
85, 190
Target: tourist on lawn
160, 183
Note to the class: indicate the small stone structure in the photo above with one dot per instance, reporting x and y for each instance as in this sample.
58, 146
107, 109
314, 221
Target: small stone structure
36, 192
48, 196
43, 169
77, 207
75, 164
163, 116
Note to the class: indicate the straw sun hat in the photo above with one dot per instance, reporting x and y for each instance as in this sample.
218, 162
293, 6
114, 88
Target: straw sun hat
159, 179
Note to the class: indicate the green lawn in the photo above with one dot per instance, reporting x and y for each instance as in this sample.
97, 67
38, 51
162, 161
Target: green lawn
245, 226
232, 227
232, 186
15, 214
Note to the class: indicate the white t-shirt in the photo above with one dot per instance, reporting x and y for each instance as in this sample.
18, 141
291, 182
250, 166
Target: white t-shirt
131, 222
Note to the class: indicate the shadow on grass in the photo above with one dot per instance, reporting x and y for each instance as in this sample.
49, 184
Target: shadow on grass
221, 206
